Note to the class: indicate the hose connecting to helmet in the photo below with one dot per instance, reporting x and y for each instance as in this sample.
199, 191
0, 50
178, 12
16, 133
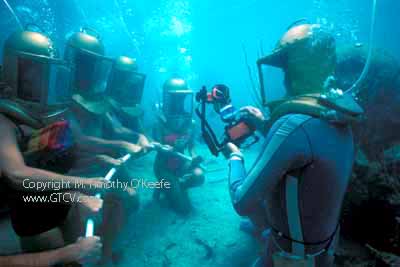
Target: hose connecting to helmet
364, 73
13, 13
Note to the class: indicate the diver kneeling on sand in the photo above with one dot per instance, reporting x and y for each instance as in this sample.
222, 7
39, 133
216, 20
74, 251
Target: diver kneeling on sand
90, 121
36, 144
175, 128
297, 185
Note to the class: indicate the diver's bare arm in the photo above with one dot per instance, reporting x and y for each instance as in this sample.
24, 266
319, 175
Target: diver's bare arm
14, 170
119, 131
126, 134
92, 144
115, 148
42, 259
98, 160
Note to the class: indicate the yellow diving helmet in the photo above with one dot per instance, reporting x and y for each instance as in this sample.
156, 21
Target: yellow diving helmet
125, 85
307, 56
38, 81
85, 53
177, 103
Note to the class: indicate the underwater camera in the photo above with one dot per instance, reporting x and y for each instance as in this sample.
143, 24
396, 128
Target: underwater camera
236, 130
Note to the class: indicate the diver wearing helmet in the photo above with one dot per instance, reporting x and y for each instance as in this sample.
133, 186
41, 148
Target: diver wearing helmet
297, 185
36, 144
174, 127
90, 119
90, 106
125, 90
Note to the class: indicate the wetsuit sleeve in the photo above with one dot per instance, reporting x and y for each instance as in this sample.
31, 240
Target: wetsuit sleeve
286, 149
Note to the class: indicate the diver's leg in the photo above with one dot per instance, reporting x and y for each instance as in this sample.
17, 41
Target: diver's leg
193, 178
74, 225
255, 223
264, 260
117, 208
113, 217
158, 170
73, 228
176, 195
44, 241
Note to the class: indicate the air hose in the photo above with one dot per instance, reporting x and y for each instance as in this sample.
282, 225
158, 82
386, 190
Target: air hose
354, 87
13, 13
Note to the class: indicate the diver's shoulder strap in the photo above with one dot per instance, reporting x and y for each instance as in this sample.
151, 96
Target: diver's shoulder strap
18, 114
320, 107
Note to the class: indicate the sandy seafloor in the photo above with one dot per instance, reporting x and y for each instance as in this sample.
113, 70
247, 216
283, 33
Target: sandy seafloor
208, 236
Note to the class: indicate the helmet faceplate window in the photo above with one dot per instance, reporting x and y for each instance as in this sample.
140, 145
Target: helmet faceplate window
90, 72
274, 83
31, 79
178, 104
135, 86
59, 90
43, 82
127, 87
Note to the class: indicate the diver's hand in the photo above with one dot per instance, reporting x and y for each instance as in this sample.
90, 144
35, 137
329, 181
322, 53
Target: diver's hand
144, 143
229, 149
253, 116
108, 162
167, 148
197, 160
129, 148
124, 193
97, 185
162, 148
91, 207
85, 250
91, 204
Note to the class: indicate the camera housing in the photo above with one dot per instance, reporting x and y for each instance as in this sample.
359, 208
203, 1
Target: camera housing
237, 130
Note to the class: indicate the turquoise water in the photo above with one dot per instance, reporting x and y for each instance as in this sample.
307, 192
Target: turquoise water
206, 42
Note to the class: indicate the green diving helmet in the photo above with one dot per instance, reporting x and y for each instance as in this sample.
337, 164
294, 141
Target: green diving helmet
90, 67
307, 56
177, 103
125, 86
37, 81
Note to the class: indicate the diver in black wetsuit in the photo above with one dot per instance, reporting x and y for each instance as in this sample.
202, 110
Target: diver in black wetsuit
298, 182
